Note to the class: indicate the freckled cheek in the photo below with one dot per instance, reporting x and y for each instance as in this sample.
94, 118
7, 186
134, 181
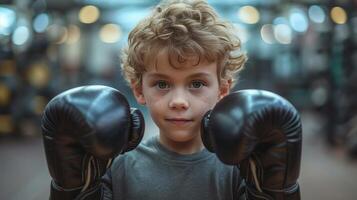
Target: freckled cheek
204, 105
152, 95
156, 103
158, 100
157, 110
209, 96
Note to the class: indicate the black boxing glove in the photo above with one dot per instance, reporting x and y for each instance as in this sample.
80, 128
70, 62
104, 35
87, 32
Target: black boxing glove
261, 133
83, 130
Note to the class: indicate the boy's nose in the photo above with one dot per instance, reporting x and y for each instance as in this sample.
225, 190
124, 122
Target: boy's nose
179, 101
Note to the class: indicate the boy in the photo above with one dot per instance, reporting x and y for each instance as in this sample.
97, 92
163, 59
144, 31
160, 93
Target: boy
180, 61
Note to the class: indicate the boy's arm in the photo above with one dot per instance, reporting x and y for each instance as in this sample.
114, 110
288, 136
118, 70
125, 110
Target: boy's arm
260, 132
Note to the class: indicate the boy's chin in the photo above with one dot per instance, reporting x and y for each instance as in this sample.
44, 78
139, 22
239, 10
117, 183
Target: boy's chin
181, 137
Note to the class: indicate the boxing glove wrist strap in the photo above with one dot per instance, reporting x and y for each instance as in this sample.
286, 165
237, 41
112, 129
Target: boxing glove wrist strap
290, 189
93, 172
94, 193
60, 193
253, 169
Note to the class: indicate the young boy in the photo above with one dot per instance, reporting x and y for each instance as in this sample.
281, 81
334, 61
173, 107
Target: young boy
180, 62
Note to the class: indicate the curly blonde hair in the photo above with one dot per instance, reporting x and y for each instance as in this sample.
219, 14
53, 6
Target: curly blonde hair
183, 28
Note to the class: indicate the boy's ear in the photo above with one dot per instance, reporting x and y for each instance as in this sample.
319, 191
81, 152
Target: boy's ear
225, 87
138, 92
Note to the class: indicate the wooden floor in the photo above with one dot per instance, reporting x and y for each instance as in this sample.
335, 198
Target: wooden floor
325, 174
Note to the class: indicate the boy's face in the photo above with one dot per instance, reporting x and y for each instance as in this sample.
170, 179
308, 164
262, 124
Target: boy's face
177, 98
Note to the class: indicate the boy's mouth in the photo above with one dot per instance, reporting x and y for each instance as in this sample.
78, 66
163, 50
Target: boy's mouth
179, 121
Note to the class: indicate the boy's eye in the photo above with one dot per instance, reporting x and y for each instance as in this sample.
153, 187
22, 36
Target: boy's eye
196, 84
162, 85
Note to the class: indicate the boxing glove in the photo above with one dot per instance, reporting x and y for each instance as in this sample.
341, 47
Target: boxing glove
260, 132
83, 130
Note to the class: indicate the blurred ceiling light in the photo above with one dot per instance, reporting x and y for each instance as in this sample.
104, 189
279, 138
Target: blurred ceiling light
74, 33
38, 75
267, 33
241, 32
298, 20
21, 35
248, 14
338, 15
283, 33
7, 19
89, 14
316, 14
41, 22
280, 20
110, 33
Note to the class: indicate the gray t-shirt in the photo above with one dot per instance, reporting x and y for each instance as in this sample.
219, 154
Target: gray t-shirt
152, 172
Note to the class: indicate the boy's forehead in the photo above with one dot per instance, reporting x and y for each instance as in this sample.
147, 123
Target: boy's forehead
192, 68
164, 59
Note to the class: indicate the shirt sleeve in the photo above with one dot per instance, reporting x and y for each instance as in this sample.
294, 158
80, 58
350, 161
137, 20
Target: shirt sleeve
106, 184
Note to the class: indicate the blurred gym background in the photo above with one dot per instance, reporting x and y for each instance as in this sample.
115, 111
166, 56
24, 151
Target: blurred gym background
304, 50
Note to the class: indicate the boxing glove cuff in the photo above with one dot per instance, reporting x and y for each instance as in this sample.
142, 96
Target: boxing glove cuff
59, 193
291, 193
